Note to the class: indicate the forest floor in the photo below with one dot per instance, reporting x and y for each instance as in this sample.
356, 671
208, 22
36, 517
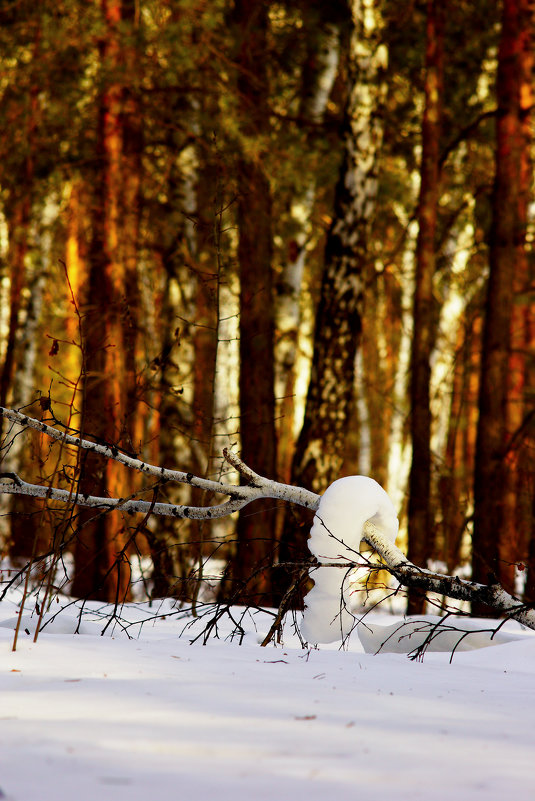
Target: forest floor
143, 714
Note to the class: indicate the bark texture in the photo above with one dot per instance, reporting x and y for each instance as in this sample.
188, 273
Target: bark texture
493, 549
110, 314
255, 531
320, 447
319, 73
420, 528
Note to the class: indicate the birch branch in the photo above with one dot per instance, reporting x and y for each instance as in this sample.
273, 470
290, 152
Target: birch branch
408, 574
257, 487
129, 505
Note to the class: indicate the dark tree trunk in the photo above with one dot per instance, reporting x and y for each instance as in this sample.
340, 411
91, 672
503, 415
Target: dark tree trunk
420, 529
110, 319
256, 526
493, 553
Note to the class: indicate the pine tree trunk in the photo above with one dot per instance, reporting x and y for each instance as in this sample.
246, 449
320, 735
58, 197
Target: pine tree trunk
256, 527
520, 461
457, 478
109, 322
420, 529
381, 336
493, 554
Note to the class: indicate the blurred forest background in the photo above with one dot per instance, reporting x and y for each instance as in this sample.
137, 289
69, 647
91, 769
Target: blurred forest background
302, 230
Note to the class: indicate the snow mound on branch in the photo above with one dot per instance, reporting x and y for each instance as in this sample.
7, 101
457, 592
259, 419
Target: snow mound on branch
335, 536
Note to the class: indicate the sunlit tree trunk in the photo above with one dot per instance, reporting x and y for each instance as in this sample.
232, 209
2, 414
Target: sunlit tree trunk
420, 528
320, 447
381, 337
520, 425
110, 314
493, 549
18, 212
319, 73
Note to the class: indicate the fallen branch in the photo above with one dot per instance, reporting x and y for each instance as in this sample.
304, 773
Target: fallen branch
129, 505
408, 574
257, 487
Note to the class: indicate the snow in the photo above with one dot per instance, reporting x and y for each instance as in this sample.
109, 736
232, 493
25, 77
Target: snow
431, 633
120, 718
336, 533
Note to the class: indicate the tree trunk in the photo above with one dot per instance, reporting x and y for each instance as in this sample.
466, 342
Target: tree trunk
419, 519
255, 532
520, 462
493, 553
457, 478
110, 316
319, 73
381, 336
18, 212
320, 448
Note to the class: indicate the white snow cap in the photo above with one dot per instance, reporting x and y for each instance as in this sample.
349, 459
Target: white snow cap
336, 534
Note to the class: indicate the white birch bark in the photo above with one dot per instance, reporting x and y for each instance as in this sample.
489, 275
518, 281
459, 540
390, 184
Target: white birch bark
23, 381
287, 309
320, 447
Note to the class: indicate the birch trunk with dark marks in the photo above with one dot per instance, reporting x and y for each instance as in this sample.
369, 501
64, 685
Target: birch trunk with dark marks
320, 447
319, 73
19, 517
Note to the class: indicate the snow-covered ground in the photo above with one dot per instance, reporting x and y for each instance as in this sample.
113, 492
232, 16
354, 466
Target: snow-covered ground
91, 718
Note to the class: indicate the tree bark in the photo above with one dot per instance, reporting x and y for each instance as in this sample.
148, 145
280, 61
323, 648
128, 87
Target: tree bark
18, 213
319, 73
320, 447
493, 552
255, 533
109, 314
419, 518
457, 477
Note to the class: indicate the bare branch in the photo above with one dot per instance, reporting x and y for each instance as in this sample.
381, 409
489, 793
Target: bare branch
162, 473
408, 574
131, 506
258, 487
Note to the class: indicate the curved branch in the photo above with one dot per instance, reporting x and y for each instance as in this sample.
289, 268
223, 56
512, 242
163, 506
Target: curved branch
131, 506
162, 473
258, 487
267, 488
